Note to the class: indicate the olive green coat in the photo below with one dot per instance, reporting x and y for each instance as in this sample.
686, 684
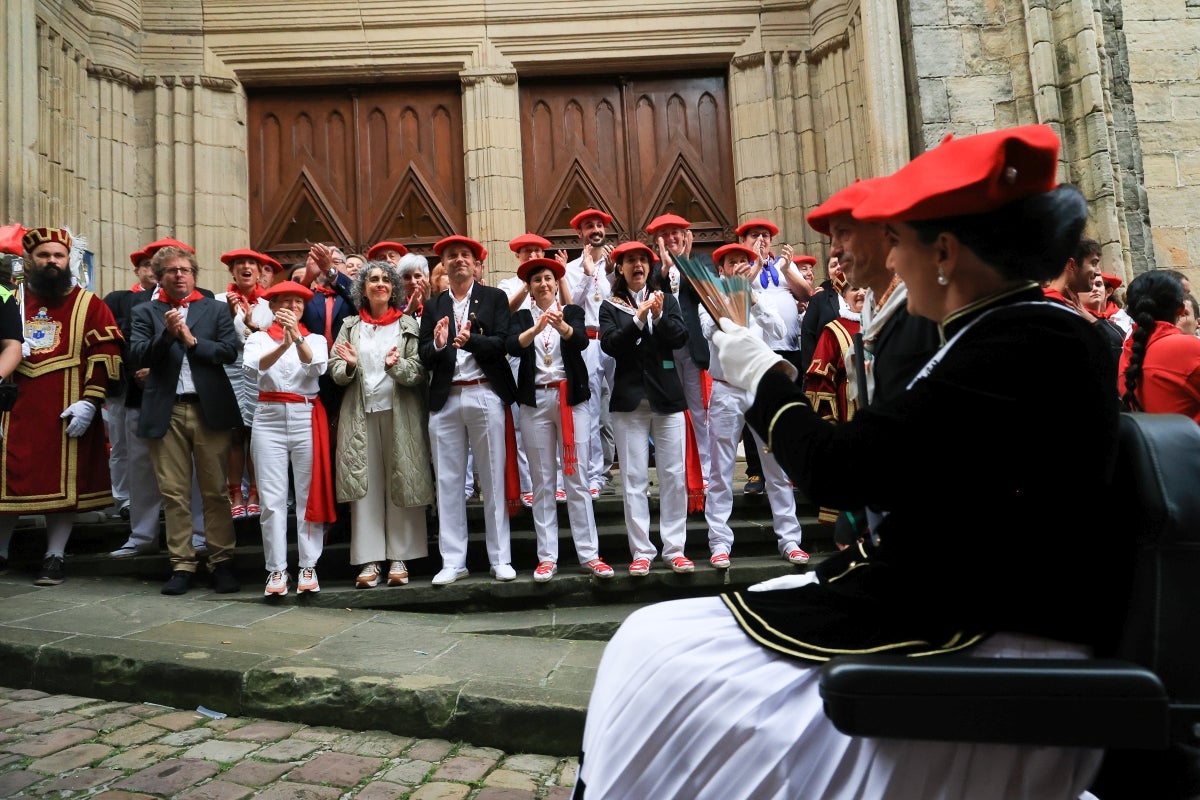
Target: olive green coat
411, 477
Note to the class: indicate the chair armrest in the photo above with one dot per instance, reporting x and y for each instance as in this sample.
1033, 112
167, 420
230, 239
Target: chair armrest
1053, 702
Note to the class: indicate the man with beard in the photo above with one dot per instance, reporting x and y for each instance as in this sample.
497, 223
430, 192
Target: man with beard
58, 463
588, 280
1075, 280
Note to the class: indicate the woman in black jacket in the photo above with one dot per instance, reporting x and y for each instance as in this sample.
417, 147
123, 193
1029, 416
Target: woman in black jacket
641, 327
552, 382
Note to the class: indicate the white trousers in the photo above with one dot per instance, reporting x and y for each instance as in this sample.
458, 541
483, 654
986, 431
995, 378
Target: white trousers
541, 427
282, 435
379, 528
145, 501
118, 453
689, 376
472, 414
686, 705
633, 430
726, 417
593, 358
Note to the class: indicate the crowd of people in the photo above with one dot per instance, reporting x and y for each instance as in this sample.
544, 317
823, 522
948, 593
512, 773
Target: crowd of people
362, 389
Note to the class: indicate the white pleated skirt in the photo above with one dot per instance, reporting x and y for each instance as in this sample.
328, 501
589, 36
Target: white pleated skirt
687, 706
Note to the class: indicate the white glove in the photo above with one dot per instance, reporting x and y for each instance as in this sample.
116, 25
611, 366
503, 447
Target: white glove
26, 350
785, 582
81, 413
745, 357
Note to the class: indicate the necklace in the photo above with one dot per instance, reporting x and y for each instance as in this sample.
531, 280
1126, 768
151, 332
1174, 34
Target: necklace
460, 322
547, 359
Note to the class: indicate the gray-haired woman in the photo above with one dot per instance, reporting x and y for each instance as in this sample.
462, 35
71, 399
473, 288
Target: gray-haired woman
383, 442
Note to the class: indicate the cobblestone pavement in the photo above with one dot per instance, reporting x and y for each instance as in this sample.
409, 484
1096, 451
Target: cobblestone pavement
67, 746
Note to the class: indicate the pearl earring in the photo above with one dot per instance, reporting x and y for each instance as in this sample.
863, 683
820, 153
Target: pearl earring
941, 279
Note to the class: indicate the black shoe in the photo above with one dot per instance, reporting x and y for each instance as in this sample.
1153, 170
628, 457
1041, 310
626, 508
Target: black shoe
223, 579
754, 485
178, 583
51, 573
124, 513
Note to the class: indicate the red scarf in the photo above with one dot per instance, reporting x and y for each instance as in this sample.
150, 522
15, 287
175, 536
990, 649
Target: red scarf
251, 298
325, 290
389, 316
137, 287
276, 331
162, 297
319, 506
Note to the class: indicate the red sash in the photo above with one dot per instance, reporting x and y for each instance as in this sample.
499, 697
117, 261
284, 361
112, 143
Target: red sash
570, 452
695, 476
320, 492
512, 478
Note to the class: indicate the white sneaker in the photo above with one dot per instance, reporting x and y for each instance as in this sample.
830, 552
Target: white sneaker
277, 583
368, 577
504, 572
306, 580
447, 575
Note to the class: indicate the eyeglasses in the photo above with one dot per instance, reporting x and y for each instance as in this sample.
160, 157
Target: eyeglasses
179, 271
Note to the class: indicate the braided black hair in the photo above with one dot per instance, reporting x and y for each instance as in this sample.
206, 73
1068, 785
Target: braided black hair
1153, 296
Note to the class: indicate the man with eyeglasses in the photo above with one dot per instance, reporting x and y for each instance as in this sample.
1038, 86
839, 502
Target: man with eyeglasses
188, 412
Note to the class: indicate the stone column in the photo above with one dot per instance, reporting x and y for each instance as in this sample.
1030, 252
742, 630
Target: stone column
756, 138
18, 111
492, 157
887, 101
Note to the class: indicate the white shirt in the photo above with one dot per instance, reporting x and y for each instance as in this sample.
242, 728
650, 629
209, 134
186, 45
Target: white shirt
374, 342
288, 373
588, 291
547, 342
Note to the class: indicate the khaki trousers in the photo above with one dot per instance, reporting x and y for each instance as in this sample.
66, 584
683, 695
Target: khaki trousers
187, 440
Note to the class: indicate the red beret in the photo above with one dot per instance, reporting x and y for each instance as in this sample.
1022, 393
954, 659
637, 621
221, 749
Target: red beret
166, 241
10, 238
288, 287
727, 249
35, 237
757, 223
629, 247
264, 260
1111, 281
667, 221
379, 247
535, 264
810, 260
841, 202
971, 175
476, 247
529, 240
578, 220
137, 256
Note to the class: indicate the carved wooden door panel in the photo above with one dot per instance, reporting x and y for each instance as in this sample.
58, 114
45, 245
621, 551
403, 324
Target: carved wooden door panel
636, 148
354, 166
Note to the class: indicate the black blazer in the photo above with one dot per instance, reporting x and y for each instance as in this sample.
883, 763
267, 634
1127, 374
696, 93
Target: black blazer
216, 345
689, 307
645, 360
489, 318
572, 356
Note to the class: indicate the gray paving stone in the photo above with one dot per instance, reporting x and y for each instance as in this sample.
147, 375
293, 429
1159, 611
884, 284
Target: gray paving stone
51, 723
140, 757
138, 733
381, 790
463, 768
440, 791
319, 734
493, 793
409, 772
430, 749
525, 762
373, 743
510, 779
221, 751
177, 720
188, 738
109, 721
263, 731
288, 750
13, 782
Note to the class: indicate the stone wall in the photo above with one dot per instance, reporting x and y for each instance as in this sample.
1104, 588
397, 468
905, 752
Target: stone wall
126, 118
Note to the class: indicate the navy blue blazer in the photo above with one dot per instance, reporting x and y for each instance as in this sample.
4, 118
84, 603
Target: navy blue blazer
216, 345
490, 321
645, 359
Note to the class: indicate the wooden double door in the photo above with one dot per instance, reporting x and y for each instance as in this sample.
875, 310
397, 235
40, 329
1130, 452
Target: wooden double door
633, 147
355, 166
359, 165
